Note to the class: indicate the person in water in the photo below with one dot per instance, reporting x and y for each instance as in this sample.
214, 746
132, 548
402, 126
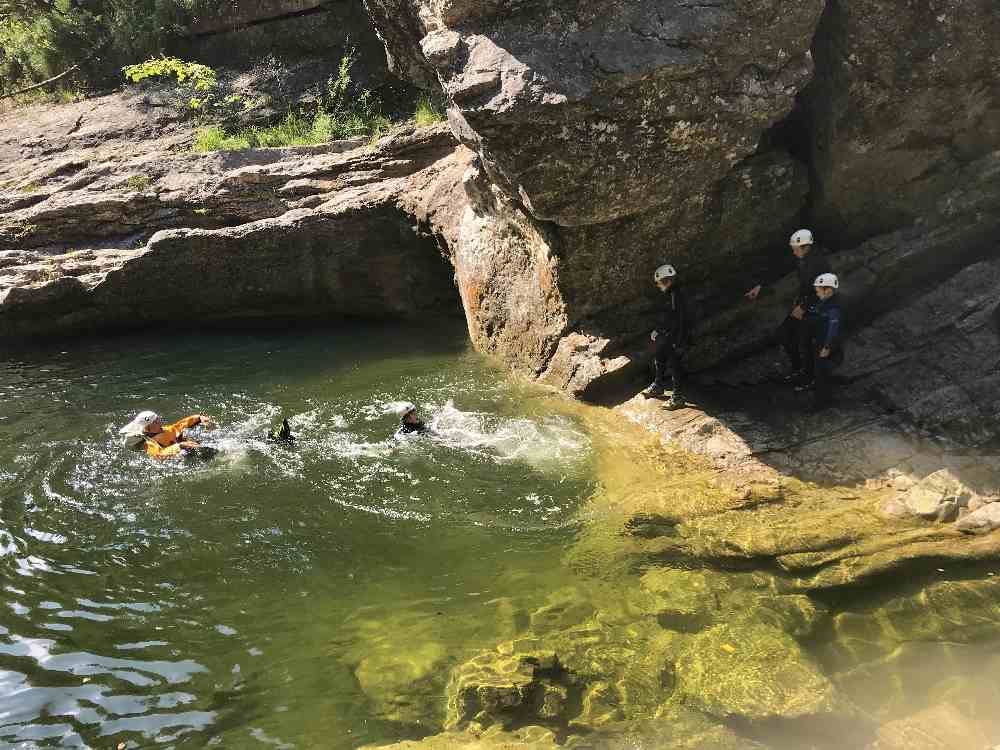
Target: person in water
282, 433
148, 433
409, 421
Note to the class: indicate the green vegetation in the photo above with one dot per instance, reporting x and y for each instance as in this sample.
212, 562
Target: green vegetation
136, 183
200, 77
42, 38
343, 111
427, 113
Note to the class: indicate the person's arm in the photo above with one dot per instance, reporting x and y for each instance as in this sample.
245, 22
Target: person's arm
187, 423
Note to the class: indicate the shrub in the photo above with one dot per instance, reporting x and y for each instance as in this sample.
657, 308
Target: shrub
343, 111
199, 77
427, 113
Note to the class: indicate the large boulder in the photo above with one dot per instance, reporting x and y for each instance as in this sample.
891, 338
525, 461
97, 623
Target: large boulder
938, 497
981, 521
659, 99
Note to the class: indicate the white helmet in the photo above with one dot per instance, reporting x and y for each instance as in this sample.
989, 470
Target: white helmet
827, 279
404, 408
665, 271
801, 238
138, 425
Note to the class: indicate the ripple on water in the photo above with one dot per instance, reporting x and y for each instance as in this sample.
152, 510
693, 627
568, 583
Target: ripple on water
150, 582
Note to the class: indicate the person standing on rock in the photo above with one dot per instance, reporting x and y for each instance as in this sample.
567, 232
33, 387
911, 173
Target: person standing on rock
795, 332
670, 337
827, 330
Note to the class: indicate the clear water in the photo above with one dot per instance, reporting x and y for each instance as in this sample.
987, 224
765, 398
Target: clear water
318, 595
242, 601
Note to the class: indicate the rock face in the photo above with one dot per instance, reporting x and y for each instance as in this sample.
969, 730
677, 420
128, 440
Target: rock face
659, 99
903, 106
345, 230
609, 137
630, 134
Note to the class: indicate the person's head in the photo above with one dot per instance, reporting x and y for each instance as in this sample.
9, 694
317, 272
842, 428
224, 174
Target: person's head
801, 243
408, 412
664, 277
826, 285
147, 422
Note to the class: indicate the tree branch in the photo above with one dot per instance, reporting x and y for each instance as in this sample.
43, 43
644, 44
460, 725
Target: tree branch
53, 79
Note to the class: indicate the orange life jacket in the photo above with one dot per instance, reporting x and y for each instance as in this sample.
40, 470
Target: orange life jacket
165, 444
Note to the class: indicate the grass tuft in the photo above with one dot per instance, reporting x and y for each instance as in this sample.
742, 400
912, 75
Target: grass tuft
427, 113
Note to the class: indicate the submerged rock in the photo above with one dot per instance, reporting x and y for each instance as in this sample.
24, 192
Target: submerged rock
946, 611
535, 737
404, 683
753, 671
509, 688
941, 727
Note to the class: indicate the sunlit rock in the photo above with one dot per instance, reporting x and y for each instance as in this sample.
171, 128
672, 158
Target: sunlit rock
753, 671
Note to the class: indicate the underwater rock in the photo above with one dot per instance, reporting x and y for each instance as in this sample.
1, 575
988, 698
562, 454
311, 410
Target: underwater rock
529, 737
404, 683
503, 689
941, 727
687, 600
676, 728
563, 609
950, 611
753, 671
691, 600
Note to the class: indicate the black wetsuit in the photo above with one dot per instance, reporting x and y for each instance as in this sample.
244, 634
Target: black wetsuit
795, 334
827, 331
673, 334
405, 428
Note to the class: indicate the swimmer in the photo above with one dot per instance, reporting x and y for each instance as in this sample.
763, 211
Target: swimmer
409, 421
282, 434
148, 433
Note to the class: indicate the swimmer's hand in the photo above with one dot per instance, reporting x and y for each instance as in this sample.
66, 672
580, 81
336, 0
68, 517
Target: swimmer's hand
186, 445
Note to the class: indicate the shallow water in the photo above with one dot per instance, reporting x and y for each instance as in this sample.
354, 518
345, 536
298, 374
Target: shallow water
234, 601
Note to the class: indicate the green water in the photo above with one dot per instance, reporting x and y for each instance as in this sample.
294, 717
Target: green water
320, 595
273, 596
